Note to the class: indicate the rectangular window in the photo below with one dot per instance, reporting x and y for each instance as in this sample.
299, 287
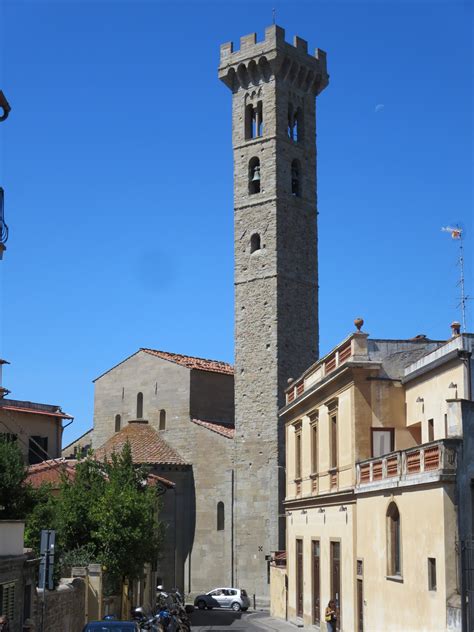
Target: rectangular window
430, 430
7, 599
298, 455
382, 441
38, 450
314, 448
333, 421
431, 573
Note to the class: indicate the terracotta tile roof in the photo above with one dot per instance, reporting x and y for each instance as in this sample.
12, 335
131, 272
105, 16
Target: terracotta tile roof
147, 445
50, 472
202, 364
33, 408
223, 429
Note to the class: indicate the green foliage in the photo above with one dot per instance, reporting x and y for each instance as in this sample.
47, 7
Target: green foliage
43, 515
106, 514
126, 518
77, 499
15, 494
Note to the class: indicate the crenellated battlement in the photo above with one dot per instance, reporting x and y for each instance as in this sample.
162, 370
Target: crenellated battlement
256, 61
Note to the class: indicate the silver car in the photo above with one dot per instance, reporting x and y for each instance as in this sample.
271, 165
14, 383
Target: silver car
234, 598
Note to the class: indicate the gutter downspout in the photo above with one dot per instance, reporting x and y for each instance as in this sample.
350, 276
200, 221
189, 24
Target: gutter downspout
62, 428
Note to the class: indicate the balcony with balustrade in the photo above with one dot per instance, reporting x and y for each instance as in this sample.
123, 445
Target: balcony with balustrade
430, 462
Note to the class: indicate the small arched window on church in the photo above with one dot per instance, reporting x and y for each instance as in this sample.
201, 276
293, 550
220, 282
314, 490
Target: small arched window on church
254, 176
118, 423
220, 516
295, 178
162, 425
254, 243
139, 405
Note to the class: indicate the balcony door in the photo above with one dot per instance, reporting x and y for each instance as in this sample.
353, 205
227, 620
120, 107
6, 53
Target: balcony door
316, 583
299, 578
336, 579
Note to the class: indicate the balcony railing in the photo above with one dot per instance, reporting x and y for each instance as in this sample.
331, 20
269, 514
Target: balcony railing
405, 466
332, 362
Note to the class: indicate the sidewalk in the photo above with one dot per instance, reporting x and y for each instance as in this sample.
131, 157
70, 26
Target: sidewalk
263, 620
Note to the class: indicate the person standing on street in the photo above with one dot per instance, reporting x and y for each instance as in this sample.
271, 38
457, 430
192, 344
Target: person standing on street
331, 616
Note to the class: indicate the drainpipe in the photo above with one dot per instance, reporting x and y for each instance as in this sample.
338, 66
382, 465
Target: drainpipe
62, 428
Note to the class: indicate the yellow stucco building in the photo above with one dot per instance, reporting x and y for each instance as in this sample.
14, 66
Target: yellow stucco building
379, 479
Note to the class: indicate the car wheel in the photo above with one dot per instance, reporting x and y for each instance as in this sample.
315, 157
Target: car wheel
236, 606
201, 604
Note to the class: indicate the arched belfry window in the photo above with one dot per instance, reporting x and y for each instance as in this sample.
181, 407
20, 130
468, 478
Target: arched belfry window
295, 178
254, 176
394, 541
118, 423
295, 123
254, 243
253, 120
162, 425
220, 516
139, 405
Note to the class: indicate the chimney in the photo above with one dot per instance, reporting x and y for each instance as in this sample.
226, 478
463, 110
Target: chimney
455, 328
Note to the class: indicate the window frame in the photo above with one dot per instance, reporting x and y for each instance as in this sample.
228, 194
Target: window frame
373, 430
394, 542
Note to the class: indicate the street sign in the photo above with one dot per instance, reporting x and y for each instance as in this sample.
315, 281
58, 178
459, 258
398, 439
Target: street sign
46, 570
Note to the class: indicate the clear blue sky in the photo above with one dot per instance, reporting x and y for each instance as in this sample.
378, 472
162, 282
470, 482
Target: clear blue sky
117, 166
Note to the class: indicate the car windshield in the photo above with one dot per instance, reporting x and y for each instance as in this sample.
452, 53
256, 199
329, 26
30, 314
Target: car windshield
111, 626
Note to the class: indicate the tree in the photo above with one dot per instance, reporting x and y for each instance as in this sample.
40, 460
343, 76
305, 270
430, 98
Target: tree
128, 534
15, 493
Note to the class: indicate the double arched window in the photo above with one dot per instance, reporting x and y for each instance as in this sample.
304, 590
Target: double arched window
295, 123
253, 120
394, 541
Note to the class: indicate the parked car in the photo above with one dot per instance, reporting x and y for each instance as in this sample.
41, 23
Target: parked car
112, 626
234, 598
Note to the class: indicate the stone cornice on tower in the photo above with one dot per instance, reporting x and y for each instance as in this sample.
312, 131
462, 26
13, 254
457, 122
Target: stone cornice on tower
274, 57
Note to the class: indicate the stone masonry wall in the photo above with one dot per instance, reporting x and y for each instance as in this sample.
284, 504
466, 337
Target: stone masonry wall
65, 607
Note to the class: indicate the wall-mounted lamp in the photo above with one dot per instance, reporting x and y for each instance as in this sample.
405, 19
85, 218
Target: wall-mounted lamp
321, 510
288, 513
342, 508
419, 400
453, 385
303, 511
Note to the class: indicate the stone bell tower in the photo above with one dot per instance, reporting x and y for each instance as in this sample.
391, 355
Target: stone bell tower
274, 85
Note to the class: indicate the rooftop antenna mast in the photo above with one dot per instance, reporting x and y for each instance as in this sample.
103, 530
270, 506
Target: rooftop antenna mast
274, 15
457, 233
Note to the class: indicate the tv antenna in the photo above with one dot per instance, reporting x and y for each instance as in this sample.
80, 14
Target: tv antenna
457, 234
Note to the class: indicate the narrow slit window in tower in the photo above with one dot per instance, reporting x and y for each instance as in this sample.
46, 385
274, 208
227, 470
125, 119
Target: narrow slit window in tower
220, 516
118, 423
254, 176
295, 179
139, 405
254, 243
